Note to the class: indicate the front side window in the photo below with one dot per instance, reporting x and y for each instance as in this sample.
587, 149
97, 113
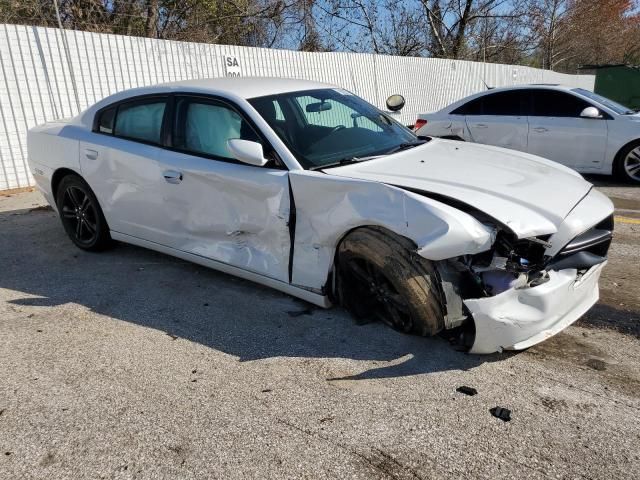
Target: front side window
325, 127
203, 127
552, 103
140, 120
607, 102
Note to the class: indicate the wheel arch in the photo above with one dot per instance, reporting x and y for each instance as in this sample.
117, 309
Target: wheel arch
57, 177
617, 166
625, 146
331, 286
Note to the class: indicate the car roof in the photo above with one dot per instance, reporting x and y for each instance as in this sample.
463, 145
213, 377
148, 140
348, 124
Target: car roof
549, 86
245, 87
541, 86
229, 87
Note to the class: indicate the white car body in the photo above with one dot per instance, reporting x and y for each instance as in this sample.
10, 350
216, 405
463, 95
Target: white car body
588, 145
281, 227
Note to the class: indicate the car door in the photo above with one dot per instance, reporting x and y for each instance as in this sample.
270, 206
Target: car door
215, 206
497, 119
557, 132
119, 159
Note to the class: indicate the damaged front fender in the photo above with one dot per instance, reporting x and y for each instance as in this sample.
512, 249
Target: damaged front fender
328, 207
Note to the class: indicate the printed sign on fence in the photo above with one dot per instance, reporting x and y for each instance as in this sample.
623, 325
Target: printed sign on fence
232, 66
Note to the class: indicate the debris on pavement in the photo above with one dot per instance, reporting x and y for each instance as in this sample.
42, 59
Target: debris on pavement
503, 414
467, 390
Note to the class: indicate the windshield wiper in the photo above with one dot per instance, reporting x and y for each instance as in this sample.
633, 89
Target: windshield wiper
344, 161
406, 146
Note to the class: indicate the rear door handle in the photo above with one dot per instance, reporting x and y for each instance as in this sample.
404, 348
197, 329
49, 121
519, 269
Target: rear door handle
171, 176
91, 154
481, 125
540, 129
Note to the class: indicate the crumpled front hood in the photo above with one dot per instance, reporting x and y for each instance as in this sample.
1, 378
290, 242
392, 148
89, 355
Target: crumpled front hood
528, 194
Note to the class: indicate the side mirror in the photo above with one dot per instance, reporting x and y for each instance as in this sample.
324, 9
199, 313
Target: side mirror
395, 103
590, 112
247, 152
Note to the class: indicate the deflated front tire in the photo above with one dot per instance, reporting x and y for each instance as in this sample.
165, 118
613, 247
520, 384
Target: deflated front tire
381, 277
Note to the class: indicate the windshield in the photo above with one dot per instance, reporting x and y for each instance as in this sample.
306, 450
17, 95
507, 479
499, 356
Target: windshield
615, 106
329, 127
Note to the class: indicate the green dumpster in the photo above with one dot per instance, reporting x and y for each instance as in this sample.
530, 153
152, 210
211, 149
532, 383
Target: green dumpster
618, 82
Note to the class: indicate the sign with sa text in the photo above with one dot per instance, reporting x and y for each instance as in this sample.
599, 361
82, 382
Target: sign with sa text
232, 66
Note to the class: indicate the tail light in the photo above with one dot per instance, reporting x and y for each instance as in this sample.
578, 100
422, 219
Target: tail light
419, 124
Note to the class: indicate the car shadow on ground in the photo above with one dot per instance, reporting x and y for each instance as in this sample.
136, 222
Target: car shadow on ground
623, 320
44, 269
606, 181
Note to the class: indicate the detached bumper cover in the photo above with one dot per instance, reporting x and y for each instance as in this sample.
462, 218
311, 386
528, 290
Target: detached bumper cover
518, 319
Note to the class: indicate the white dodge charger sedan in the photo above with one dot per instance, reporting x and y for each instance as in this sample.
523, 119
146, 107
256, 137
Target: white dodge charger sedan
572, 126
306, 188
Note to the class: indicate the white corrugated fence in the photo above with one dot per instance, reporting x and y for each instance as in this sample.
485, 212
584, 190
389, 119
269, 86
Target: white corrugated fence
47, 73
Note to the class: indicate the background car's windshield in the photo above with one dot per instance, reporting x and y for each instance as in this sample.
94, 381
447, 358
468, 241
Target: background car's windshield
615, 106
324, 127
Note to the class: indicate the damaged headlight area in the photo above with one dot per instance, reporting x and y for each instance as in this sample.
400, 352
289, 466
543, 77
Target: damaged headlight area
491, 295
523, 263
511, 263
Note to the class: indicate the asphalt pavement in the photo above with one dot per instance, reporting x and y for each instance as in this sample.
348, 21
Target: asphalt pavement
132, 364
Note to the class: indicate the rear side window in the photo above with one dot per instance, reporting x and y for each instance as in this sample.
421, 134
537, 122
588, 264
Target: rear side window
140, 120
510, 103
551, 103
474, 107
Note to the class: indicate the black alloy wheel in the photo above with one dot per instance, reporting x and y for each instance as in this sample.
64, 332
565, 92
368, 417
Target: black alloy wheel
81, 214
377, 296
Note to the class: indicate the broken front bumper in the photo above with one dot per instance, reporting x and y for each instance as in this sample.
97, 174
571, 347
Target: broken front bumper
519, 318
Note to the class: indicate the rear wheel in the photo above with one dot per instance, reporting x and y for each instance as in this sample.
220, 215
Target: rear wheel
380, 277
627, 166
81, 215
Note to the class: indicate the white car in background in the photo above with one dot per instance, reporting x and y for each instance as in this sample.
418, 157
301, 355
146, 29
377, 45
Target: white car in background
306, 188
572, 126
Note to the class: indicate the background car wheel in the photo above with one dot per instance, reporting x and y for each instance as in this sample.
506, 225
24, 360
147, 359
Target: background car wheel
81, 215
627, 166
380, 277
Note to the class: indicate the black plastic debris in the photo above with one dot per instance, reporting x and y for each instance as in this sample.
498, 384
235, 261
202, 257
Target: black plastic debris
503, 414
467, 390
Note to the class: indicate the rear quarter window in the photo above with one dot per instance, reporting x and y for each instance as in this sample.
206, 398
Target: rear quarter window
105, 120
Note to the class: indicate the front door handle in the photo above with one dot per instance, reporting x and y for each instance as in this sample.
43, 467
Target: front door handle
481, 125
91, 154
540, 129
171, 176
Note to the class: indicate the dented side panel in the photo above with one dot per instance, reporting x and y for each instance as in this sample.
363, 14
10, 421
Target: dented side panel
328, 207
235, 214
